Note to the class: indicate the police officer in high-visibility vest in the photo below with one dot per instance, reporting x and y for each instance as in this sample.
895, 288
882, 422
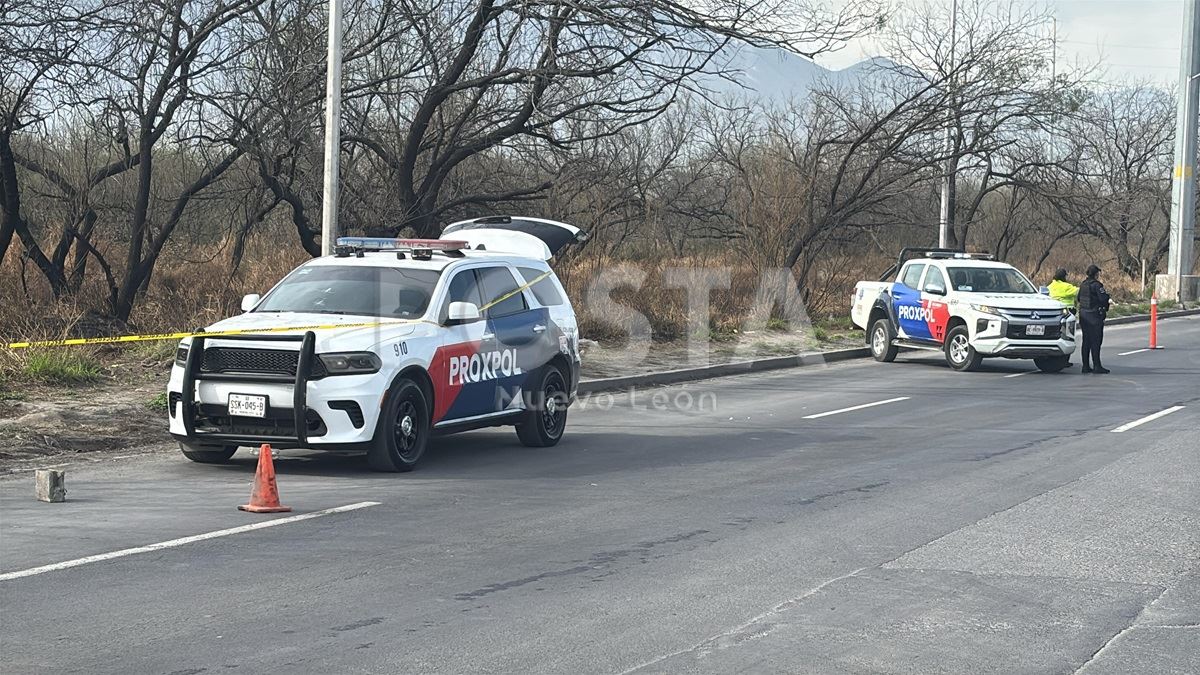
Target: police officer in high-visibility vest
1063, 290
1093, 304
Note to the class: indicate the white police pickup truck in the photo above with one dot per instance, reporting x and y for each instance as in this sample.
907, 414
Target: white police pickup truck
387, 343
967, 306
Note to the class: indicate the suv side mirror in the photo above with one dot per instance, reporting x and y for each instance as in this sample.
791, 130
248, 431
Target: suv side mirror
1044, 290
462, 312
249, 301
935, 289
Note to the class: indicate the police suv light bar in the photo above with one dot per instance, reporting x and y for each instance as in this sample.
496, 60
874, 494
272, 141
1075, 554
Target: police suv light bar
419, 249
389, 244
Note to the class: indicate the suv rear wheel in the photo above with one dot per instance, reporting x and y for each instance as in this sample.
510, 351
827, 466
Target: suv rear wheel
545, 418
959, 352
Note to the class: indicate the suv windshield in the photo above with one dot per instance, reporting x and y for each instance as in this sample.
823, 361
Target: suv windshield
366, 291
989, 280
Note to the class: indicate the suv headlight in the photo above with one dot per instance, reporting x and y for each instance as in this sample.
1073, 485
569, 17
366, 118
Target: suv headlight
181, 355
350, 363
986, 309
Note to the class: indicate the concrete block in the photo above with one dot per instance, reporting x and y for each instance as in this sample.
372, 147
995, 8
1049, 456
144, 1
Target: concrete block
51, 485
1187, 290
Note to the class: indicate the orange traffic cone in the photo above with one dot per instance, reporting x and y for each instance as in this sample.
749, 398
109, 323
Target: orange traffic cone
265, 497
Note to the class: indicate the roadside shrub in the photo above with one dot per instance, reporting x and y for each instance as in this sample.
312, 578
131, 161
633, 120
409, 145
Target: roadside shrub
61, 366
155, 351
158, 403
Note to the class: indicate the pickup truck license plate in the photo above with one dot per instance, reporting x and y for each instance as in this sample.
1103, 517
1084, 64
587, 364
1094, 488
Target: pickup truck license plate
1035, 330
247, 405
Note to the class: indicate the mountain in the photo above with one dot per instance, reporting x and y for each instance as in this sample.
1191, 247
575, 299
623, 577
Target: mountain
777, 75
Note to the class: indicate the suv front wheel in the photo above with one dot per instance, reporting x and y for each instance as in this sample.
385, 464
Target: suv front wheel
1052, 364
207, 454
959, 353
402, 433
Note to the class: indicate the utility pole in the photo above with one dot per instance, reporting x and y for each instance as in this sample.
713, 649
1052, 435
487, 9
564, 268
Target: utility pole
947, 145
1181, 284
1054, 49
333, 129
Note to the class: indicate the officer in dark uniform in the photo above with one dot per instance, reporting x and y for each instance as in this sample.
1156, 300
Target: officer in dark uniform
1093, 308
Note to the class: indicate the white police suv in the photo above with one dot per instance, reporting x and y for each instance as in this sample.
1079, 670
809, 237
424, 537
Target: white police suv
387, 343
965, 305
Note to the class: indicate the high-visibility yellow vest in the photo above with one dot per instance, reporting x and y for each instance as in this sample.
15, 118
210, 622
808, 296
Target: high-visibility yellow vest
1064, 292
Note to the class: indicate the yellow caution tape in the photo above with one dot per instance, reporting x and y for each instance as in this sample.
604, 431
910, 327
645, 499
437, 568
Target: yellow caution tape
514, 292
150, 337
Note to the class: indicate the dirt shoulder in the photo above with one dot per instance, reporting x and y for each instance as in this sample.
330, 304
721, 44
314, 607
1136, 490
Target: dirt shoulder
123, 411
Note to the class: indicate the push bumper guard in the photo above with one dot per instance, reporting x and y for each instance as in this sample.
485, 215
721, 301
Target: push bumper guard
192, 373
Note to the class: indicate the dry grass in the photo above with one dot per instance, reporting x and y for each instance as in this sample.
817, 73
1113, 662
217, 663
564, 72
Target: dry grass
191, 292
182, 295
665, 305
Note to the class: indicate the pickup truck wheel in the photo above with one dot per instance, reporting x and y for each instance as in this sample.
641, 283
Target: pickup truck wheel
881, 341
1052, 364
208, 454
959, 353
546, 416
402, 433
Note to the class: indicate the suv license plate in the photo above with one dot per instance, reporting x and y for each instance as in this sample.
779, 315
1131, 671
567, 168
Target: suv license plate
247, 405
1035, 330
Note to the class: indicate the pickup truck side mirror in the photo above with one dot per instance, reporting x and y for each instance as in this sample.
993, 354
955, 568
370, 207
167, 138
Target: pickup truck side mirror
1043, 290
935, 289
249, 301
462, 312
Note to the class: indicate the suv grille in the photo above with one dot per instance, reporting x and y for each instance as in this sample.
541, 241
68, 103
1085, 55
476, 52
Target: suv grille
240, 360
1017, 332
1028, 313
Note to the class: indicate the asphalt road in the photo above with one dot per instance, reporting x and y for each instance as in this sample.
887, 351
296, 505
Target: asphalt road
985, 523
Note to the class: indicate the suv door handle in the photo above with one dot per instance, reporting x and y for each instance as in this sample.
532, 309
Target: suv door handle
487, 337
539, 328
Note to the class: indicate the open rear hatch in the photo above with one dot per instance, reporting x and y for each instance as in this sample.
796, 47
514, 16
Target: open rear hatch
529, 237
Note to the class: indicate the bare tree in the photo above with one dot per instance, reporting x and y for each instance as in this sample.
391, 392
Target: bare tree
995, 87
158, 67
35, 49
505, 76
1110, 183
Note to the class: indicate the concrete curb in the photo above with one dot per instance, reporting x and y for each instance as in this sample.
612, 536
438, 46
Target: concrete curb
778, 363
719, 370
1136, 318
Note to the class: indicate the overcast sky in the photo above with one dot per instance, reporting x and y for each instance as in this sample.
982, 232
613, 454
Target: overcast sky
1133, 38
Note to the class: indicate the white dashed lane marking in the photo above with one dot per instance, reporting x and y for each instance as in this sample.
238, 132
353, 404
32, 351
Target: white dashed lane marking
855, 407
1147, 418
181, 541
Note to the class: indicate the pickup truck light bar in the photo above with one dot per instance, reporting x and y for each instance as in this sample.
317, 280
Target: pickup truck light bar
907, 252
960, 255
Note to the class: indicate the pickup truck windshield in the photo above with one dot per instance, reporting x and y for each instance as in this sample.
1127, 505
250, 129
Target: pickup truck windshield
989, 280
363, 291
